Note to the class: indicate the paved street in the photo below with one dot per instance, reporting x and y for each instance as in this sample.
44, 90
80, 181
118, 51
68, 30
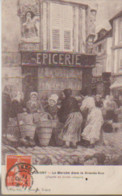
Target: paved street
109, 152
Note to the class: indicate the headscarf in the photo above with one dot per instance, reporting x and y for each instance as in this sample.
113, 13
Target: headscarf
17, 95
53, 97
67, 92
33, 93
107, 101
107, 97
98, 96
88, 103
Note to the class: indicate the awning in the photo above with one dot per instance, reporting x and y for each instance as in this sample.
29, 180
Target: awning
117, 84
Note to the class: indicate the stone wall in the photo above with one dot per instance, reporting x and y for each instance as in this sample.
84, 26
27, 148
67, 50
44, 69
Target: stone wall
11, 70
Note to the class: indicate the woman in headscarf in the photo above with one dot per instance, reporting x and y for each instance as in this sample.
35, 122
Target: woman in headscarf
6, 105
17, 104
92, 132
52, 106
110, 107
17, 107
98, 101
34, 105
70, 115
110, 115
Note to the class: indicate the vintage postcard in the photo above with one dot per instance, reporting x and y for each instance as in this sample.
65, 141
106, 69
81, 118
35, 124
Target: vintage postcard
61, 97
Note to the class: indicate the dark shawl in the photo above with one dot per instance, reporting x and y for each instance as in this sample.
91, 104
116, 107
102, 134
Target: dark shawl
69, 105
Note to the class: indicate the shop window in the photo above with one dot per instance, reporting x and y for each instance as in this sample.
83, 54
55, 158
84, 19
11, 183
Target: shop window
56, 38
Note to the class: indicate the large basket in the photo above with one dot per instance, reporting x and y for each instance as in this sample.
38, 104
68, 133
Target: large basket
120, 114
25, 117
28, 130
44, 131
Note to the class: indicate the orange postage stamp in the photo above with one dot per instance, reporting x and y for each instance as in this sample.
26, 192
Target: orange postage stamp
19, 171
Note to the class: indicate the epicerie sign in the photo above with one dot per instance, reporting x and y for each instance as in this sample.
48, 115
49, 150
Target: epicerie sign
57, 59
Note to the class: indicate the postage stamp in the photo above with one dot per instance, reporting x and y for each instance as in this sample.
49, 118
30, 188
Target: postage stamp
19, 171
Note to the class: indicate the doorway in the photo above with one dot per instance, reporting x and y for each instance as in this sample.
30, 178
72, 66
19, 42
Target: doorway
29, 81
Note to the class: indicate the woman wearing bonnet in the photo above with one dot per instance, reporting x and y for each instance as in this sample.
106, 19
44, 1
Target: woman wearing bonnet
34, 105
52, 107
93, 127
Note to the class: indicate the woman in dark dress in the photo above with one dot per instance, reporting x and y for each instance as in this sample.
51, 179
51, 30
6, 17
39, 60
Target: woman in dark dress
70, 115
6, 105
16, 105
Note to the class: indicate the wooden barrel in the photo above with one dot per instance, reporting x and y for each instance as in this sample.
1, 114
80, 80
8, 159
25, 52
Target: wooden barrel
28, 130
44, 131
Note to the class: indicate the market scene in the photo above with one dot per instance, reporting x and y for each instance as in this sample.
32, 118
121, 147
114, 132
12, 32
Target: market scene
62, 82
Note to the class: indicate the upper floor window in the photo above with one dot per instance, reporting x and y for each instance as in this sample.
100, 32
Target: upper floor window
61, 27
56, 38
67, 40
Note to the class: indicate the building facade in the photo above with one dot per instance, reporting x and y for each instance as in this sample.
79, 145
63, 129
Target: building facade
103, 68
47, 48
116, 23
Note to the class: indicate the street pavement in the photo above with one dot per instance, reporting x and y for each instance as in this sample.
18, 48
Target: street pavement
108, 152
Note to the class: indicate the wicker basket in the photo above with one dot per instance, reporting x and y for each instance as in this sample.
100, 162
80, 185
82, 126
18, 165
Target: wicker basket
120, 114
25, 117
44, 131
28, 130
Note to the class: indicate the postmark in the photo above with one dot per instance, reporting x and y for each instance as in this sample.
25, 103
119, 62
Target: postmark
19, 173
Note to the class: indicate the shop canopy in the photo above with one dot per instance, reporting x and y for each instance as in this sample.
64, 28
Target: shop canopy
116, 85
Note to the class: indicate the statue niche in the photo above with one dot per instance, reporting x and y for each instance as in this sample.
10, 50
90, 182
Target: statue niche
29, 27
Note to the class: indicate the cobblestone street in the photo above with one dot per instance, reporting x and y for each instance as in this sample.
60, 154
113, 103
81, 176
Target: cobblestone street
108, 153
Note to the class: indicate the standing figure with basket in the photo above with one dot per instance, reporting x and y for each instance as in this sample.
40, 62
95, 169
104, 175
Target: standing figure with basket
52, 109
29, 119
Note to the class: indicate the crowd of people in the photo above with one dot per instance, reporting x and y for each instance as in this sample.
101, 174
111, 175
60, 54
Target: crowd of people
83, 117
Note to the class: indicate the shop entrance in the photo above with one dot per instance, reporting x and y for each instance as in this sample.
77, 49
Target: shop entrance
87, 80
29, 81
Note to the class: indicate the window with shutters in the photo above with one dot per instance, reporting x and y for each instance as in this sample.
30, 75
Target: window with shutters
56, 38
61, 27
67, 40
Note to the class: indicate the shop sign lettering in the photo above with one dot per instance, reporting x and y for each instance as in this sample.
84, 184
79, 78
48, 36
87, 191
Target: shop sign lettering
57, 59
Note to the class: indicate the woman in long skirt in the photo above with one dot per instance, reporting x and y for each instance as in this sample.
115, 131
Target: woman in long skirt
93, 127
70, 115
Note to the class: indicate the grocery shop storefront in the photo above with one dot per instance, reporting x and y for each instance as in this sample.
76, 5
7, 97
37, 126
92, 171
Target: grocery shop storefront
47, 72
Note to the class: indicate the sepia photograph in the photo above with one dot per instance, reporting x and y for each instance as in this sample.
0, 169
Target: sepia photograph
61, 84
